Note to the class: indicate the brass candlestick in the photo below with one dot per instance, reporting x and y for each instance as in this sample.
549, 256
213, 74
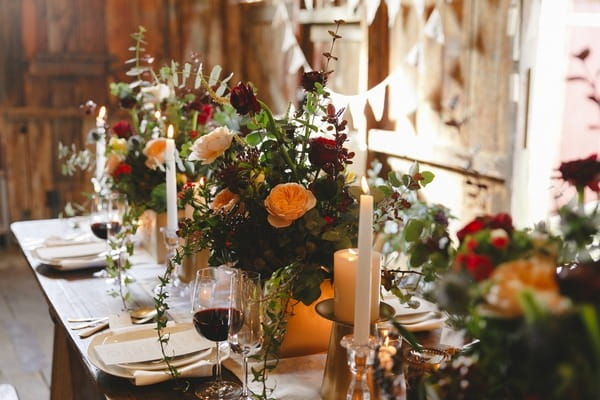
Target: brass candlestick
337, 375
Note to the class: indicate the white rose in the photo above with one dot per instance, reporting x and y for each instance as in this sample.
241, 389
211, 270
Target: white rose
210, 146
156, 94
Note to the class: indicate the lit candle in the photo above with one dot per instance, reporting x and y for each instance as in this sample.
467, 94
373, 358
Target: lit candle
345, 264
100, 144
171, 181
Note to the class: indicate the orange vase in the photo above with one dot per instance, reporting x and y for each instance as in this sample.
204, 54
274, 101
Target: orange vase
307, 332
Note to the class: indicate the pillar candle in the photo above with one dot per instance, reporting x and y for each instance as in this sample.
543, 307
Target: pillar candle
100, 144
345, 264
171, 181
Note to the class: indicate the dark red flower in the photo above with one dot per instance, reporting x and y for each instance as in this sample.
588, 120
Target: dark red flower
581, 173
502, 221
122, 129
122, 169
500, 242
472, 244
328, 220
322, 151
474, 226
205, 113
242, 98
310, 78
193, 134
479, 266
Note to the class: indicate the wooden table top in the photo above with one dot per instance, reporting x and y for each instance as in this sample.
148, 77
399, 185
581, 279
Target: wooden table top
79, 294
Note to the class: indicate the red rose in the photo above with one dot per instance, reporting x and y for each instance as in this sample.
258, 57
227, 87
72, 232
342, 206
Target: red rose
472, 244
323, 153
121, 169
479, 266
193, 134
581, 173
502, 221
205, 113
242, 98
122, 129
474, 226
500, 242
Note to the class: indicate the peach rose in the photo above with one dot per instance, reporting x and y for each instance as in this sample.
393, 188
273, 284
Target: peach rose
212, 145
224, 201
287, 202
155, 152
535, 275
112, 160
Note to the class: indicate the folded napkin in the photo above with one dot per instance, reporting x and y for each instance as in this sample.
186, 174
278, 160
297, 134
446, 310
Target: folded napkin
71, 250
426, 325
198, 369
80, 238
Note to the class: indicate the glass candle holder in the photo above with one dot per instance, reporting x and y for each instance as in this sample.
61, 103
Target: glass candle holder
360, 360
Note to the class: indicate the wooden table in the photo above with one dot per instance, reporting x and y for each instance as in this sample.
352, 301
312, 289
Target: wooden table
79, 294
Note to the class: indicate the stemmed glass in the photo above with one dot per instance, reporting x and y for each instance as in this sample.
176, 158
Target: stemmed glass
249, 339
106, 216
216, 309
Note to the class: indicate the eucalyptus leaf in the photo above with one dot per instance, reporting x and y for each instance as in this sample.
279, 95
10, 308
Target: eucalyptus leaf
413, 230
214, 75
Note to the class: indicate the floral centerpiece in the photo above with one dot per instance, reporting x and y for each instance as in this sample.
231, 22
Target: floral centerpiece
534, 337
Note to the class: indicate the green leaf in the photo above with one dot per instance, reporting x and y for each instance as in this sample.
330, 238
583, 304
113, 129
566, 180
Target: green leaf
427, 177
413, 230
254, 139
418, 257
393, 179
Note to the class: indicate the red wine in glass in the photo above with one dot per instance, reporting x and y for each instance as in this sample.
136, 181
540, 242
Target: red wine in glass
216, 323
101, 229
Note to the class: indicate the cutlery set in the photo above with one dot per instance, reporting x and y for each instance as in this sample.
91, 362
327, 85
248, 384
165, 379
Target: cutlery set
87, 326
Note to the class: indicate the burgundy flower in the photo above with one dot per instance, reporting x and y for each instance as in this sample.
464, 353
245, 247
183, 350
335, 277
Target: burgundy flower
474, 226
122, 169
122, 129
205, 113
242, 98
581, 173
310, 78
502, 221
499, 242
322, 152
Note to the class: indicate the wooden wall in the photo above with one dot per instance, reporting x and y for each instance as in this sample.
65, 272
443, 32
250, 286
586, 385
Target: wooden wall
56, 54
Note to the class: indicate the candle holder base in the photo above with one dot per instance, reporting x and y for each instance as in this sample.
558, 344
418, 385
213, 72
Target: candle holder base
337, 376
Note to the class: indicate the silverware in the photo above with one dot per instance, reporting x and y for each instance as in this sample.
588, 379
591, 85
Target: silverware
85, 319
90, 331
88, 324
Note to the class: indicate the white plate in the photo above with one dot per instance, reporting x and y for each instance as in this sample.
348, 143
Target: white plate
72, 256
145, 332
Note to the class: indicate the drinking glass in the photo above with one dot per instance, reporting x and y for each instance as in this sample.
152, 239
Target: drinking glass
248, 340
106, 216
215, 306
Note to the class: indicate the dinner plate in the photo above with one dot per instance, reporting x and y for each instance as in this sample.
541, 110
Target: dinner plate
72, 256
144, 332
178, 361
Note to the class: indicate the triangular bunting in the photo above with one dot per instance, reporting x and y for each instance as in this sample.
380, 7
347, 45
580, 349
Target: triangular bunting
371, 8
351, 4
339, 100
393, 6
434, 28
280, 15
357, 110
414, 55
376, 99
289, 39
297, 60
419, 7
308, 4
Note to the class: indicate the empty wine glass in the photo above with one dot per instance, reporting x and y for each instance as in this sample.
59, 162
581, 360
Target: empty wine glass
215, 306
248, 340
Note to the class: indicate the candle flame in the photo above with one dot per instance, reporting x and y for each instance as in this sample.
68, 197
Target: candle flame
157, 115
170, 132
365, 186
387, 341
201, 181
102, 113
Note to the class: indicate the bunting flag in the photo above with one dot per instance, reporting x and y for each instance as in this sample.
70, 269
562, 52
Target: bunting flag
357, 110
414, 55
289, 39
371, 9
393, 6
376, 98
434, 28
419, 7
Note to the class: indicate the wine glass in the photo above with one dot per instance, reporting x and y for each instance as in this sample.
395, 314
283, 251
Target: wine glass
216, 292
248, 340
106, 216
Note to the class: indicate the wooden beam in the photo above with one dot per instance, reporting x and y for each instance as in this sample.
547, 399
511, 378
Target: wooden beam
33, 112
69, 65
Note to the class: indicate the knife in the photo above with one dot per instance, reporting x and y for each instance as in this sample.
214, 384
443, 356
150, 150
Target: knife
90, 331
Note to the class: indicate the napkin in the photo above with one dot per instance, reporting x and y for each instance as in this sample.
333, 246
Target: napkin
426, 325
200, 368
71, 250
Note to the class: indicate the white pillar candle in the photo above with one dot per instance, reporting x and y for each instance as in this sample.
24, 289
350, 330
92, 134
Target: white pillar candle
100, 143
362, 299
344, 285
171, 181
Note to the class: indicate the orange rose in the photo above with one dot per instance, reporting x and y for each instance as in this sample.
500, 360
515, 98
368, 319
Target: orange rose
112, 160
224, 201
287, 202
155, 152
535, 275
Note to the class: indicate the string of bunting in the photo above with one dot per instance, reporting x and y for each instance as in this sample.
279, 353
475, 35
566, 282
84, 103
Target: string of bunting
375, 96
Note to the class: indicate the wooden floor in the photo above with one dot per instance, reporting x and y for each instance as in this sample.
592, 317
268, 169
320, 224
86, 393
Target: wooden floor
25, 329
